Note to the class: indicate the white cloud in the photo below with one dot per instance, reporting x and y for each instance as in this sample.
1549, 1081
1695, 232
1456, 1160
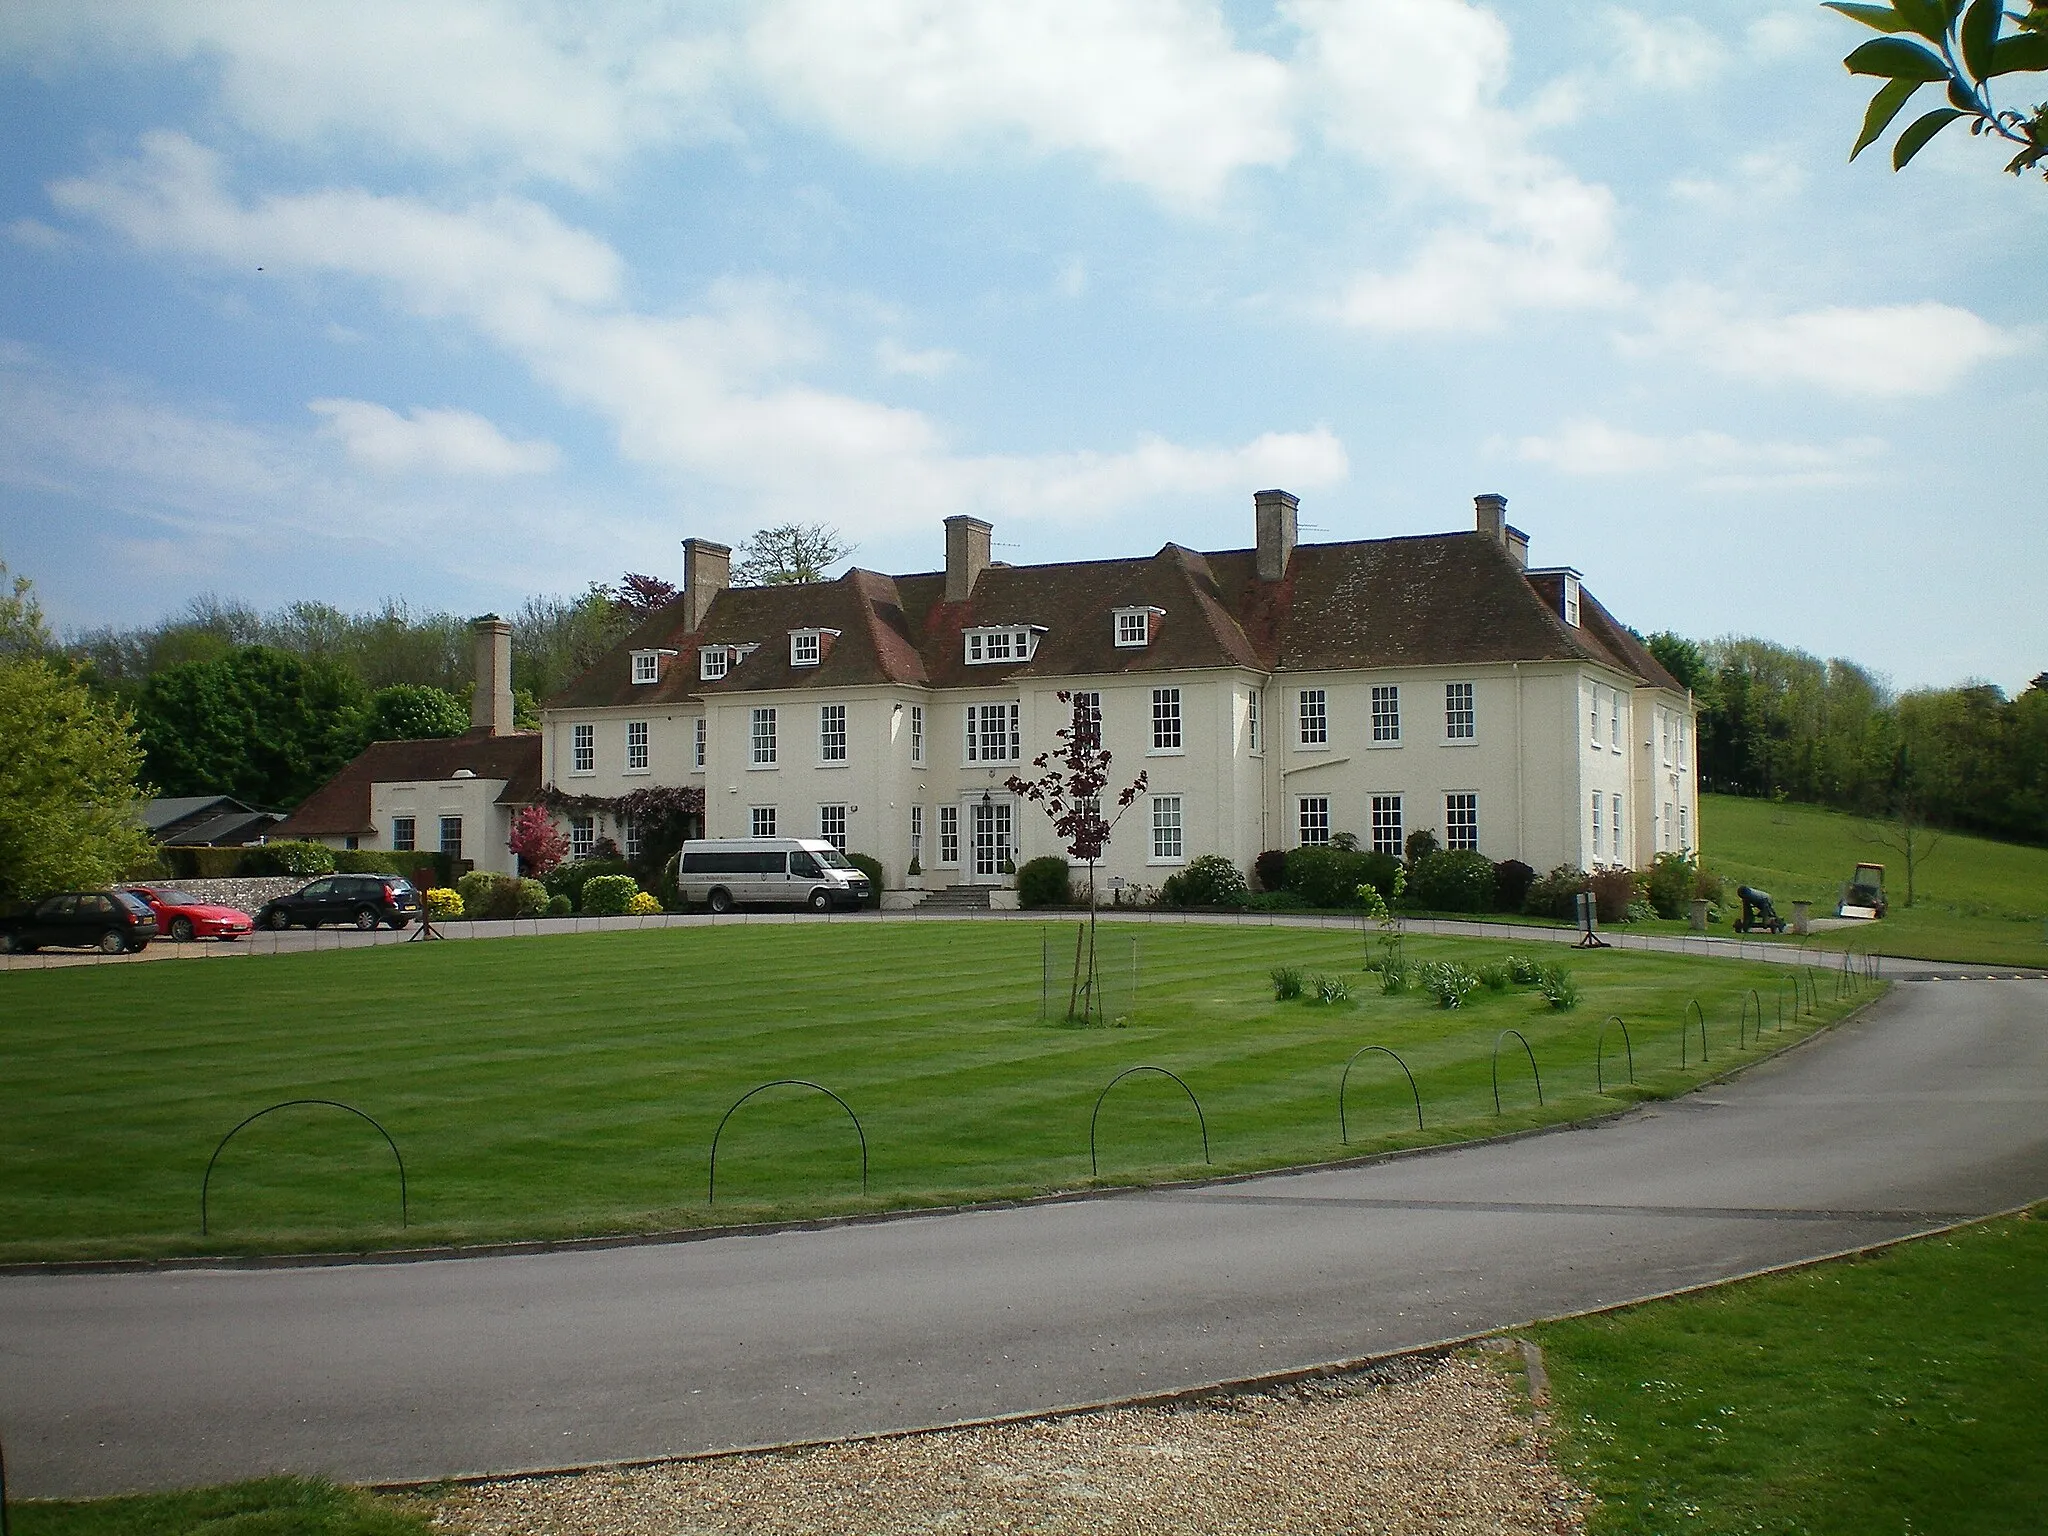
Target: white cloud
892, 357
1668, 53
1414, 87
1882, 352
443, 442
1704, 460
705, 394
1755, 182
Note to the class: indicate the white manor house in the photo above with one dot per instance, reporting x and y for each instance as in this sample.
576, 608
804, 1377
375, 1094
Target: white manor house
1274, 696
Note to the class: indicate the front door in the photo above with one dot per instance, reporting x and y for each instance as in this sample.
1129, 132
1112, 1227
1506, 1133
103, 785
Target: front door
989, 825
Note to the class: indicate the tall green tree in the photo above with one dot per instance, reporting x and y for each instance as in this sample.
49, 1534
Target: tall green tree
414, 712
22, 630
789, 553
258, 724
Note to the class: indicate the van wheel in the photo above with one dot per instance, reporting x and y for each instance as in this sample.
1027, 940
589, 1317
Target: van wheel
821, 901
720, 900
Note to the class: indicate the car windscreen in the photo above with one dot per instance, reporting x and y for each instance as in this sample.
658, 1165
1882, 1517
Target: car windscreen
175, 898
832, 858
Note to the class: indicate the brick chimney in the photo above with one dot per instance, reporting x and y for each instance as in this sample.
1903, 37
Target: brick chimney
490, 707
1273, 513
967, 548
707, 571
1492, 512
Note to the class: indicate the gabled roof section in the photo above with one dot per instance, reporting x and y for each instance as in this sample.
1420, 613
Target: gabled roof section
873, 645
341, 806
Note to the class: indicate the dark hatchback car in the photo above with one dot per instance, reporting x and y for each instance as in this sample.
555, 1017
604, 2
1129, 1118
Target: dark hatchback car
112, 922
362, 901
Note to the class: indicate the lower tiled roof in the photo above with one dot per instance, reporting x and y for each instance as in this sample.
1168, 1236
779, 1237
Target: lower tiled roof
341, 806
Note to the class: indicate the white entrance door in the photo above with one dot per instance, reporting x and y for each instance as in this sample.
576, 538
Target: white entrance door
989, 823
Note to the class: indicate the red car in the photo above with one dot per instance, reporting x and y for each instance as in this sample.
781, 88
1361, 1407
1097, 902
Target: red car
180, 916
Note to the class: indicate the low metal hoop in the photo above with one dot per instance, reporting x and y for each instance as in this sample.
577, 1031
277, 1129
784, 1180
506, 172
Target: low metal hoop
711, 1189
1599, 1082
1343, 1129
1691, 1008
206, 1184
1200, 1118
1537, 1074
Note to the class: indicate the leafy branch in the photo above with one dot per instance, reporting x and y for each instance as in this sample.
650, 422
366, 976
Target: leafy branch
1940, 42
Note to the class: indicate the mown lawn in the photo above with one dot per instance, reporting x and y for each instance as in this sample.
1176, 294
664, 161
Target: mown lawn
1906, 1392
271, 1506
1976, 899
570, 1085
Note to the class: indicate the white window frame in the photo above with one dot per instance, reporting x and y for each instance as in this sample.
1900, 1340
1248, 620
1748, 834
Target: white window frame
1614, 830
582, 836
831, 743
1461, 713
917, 735
917, 836
1000, 645
762, 819
703, 735
1593, 718
1254, 742
1614, 720
630, 840
637, 746
1386, 715
1388, 811
1599, 827
806, 648
1461, 820
1087, 704
994, 725
1312, 719
830, 816
949, 837
1684, 820
1571, 601
1133, 627
1168, 834
582, 750
1312, 821
762, 743
713, 662
408, 841
647, 666
1169, 734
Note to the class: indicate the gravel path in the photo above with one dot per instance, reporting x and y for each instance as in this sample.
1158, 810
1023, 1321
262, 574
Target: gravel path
1432, 1446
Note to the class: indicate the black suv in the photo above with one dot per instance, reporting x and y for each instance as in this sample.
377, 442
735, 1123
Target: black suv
362, 901
113, 922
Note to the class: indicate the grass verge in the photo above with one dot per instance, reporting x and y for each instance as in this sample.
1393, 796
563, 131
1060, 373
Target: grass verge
271, 1506
562, 1086
1904, 1391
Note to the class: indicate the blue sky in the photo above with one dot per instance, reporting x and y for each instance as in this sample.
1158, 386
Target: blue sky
457, 302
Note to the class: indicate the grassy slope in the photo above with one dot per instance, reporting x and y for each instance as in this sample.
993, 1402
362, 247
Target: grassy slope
1977, 899
565, 1085
1905, 1392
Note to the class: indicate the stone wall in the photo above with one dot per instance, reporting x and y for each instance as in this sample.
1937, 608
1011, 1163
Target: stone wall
245, 893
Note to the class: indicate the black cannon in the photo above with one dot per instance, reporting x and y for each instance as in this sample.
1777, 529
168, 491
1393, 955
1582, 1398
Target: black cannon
1758, 912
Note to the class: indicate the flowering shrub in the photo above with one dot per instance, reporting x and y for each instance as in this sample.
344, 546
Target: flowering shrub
444, 905
643, 905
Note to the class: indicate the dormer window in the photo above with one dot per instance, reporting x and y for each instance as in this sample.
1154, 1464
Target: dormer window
1134, 626
1571, 600
713, 662
647, 665
1001, 645
807, 646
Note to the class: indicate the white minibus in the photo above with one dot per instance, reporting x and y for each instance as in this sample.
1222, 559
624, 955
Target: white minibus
769, 871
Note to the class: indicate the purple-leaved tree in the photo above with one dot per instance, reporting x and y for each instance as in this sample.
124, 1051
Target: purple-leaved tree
1072, 779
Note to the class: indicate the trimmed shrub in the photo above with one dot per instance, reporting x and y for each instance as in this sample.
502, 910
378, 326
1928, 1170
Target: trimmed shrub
872, 868
1511, 881
301, 861
1559, 989
1458, 881
531, 898
608, 895
559, 906
488, 896
1676, 880
1421, 844
1330, 877
1614, 890
1270, 869
1043, 882
1557, 894
1287, 982
569, 879
643, 904
444, 905
1448, 982
1209, 881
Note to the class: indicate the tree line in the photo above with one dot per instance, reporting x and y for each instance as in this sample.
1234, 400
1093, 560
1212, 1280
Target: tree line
1778, 721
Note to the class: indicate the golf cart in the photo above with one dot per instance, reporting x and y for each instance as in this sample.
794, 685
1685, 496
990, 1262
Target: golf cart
1863, 893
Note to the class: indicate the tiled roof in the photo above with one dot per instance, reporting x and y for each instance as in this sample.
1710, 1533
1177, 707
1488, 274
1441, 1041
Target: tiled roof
341, 806
1439, 599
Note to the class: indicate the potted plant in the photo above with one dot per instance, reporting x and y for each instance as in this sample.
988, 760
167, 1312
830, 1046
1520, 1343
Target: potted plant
913, 879
1008, 870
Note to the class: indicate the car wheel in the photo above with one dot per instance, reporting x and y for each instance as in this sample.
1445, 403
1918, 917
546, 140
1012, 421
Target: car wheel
113, 942
821, 901
279, 920
15, 944
365, 920
181, 929
720, 900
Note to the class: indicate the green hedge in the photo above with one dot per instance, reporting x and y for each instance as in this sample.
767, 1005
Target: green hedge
1209, 881
1330, 877
1457, 880
870, 866
607, 895
1044, 882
